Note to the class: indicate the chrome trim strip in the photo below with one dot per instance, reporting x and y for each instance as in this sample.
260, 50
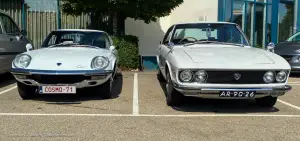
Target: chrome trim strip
60, 72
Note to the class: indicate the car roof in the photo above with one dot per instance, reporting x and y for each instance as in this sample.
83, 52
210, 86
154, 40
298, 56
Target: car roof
206, 22
81, 30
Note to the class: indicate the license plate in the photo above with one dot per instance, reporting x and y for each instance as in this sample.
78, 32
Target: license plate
237, 94
57, 90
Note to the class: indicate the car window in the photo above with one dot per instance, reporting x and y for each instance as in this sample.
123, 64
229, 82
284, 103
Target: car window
67, 38
225, 33
8, 25
168, 35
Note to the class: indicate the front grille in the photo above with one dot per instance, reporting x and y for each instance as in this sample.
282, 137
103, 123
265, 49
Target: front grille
287, 57
58, 79
227, 77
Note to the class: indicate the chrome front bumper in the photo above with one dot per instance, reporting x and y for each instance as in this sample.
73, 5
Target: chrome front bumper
213, 92
21, 75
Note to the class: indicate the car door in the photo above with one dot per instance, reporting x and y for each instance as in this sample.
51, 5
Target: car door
164, 49
12, 42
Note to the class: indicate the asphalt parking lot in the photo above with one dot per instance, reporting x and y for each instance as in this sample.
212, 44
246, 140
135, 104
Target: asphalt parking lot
139, 112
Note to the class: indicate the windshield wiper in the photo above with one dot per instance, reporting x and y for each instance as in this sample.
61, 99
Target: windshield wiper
203, 42
63, 44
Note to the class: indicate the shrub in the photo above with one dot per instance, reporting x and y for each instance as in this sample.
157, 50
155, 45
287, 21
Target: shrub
128, 51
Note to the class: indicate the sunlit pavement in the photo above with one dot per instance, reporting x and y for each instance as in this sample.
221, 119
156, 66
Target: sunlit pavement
139, 112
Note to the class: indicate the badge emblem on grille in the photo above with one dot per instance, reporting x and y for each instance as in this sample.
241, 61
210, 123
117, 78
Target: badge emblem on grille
237, 76
58, 64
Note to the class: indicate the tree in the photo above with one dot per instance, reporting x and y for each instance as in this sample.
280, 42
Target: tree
146, 10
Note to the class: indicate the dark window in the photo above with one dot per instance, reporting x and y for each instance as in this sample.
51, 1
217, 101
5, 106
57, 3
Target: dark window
8, 25
168, 35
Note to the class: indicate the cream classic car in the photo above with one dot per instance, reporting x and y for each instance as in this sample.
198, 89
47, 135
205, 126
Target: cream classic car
216, 60
69, 59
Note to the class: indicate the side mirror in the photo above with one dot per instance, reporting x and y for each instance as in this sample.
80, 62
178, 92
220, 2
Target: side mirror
29, 47
24, 32
112, 48
270, 47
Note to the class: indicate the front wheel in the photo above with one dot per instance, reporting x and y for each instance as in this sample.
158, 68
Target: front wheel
266, 101
25, 91
174, 98
105, 90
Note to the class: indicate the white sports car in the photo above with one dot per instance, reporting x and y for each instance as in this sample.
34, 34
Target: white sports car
215, 60
69, 59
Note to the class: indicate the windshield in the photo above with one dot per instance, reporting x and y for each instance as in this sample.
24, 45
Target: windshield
65, 38
214, 33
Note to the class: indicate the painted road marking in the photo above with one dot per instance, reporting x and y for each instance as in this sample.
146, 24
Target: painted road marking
289, 104
148, 115
7, 90
135, 103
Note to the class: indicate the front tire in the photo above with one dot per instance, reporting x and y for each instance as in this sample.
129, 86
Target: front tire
160, 76
266, 101
173, 98
105, 89
25, 91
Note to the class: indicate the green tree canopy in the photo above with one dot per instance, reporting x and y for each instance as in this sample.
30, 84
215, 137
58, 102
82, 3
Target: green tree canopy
146, 10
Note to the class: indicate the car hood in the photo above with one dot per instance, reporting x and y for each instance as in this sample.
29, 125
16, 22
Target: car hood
221, 55
212, 56
287, 48
71, 58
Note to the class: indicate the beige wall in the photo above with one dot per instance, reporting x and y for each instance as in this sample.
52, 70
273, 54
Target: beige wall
150, 34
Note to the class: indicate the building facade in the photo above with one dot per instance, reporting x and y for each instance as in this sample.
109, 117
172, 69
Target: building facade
263, 21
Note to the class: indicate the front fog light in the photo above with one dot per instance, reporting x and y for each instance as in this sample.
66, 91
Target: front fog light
281, 76
201, 76
269, 77
186, 76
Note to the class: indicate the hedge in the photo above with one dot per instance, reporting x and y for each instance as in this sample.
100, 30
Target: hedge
128, 51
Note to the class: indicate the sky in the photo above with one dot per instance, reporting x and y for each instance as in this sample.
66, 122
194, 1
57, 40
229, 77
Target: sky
42, 5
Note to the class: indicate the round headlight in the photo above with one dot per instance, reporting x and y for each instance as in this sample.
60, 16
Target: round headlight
281, 76
269, 77
186, 76
22, 61
201, 76
99, 62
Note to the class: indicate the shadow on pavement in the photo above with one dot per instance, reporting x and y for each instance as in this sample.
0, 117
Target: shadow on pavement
195, 104
82, 95
6, 79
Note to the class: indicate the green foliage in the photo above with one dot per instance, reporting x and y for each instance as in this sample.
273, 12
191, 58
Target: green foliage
146, 10
128, 51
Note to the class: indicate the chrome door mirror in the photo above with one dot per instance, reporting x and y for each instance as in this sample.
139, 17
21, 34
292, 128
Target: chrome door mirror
112, 47
270, 47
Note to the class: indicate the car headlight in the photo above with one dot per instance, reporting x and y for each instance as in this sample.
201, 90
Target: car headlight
186, 76
99, 62
281, 76
22, 61
269, 77
201, 76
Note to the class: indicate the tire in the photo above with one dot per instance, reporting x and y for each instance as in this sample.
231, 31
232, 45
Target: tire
106, 89
266, 101
25, 91
173, 97
160, 77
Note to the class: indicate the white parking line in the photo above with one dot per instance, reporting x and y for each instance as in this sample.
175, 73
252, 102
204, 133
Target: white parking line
148, 115
289, 104
7, 90
135, 103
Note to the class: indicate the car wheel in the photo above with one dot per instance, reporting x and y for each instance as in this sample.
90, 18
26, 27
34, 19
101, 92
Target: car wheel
106, 89
160, 77
25, 91
266, 101
173, 98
